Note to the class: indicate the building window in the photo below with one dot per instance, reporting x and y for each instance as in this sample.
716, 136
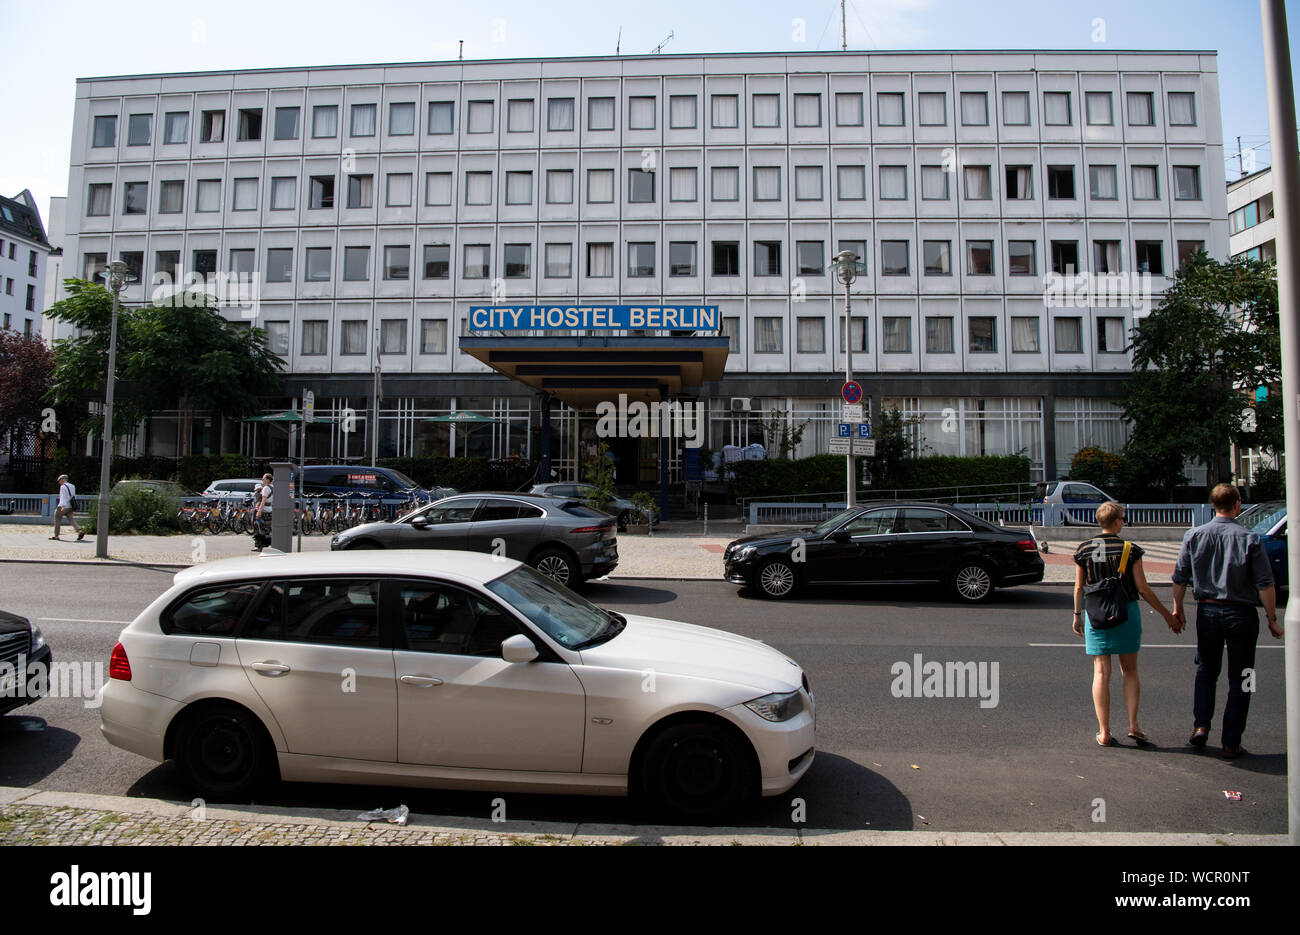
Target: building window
204, 262
858, 340
317, 266
767, 110
480, 117
1060, 182
250, 124
1187, 183
1015, 108
244, 195
681, 112
848, 109
979, 258
401, 122
1141, 113
1103, 183
897, 334
1024, 334
889, 109
1146, 183
433, 336
938, 334
1148, 257
478, 188
726, 183
808, 183
934, 183
92, 265
1105, 256
1022, 258
1182, 109
807, 110
851, 183
518, 260
353, 343
1069, 334
978, 182
559, 114
1065, 257
857, 247
399, 185
640, 113
767, 183
937, 257
478, 260
600, 186
322, 191
105, 131
894, 258
279, 264
437, 261
600, 260
767, 258
519, 115
99, 200
168, 262
277, 338
135, 198
315, 336
600, 113
1097, 105
559, 261
284, 193
397, 261
974, 108
1110, 335
640, 186
731, 331
810, 259
356, 264
212, 126
559, 186
441, 118
176, 128
893, 183
171, 197
725, 110
726, 258
361, 191
437, 188
286, 123
1020, 183
1187, 249
324, 121
519, 188
767, 335
640, 260
30, 305
363, 120
983, 335
681, 258
1056, 109
683, 183
139, 129
811, 334
242, 262
932, 109
392, 336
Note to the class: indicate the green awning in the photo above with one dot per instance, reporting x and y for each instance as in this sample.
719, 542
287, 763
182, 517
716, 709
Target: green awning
290, 416
460, 418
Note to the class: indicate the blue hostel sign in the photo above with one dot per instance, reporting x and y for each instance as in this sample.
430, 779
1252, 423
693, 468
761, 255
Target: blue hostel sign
593, 317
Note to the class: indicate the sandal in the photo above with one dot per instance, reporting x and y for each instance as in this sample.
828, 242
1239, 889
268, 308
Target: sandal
1110, 743
55, 539
1140, 738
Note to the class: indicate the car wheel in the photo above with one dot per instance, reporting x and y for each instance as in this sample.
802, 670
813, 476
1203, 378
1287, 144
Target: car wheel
972, 582
558, 566
223, 753
697, 771
777, 579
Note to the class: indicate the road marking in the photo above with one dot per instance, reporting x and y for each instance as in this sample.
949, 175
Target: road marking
1144, 646
80, 620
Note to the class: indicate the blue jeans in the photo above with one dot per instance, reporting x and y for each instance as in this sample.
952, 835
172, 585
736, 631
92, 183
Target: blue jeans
1237, 627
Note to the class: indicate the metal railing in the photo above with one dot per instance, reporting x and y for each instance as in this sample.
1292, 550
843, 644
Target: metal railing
803, 513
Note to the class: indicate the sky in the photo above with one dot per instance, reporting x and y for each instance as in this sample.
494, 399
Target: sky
53, 43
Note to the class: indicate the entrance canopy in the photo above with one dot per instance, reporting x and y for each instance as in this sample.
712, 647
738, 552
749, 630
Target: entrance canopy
584, 371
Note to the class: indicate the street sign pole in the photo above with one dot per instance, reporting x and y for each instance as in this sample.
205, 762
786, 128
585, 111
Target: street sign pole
851, 486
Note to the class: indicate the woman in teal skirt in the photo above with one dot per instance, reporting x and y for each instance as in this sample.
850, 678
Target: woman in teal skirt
1096, 559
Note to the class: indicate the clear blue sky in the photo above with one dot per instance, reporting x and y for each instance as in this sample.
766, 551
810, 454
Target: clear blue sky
51, 44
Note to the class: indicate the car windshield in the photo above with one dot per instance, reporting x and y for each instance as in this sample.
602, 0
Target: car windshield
564, 616
1262, 517
827, 525
402, 479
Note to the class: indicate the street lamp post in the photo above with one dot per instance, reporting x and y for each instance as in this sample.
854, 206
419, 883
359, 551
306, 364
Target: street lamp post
847, 266
116, 276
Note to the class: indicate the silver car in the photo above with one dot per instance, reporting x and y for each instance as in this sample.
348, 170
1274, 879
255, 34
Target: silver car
563, 538
623, 509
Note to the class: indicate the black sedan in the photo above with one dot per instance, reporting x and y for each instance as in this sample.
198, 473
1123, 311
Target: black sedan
889, 543
24, 662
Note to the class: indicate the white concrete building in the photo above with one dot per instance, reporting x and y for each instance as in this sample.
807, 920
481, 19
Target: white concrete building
378, 203
24, 250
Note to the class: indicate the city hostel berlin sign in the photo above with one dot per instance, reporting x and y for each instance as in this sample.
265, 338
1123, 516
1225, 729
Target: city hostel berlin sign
593, 317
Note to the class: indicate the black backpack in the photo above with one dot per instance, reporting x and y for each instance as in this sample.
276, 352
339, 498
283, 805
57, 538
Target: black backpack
1105, 601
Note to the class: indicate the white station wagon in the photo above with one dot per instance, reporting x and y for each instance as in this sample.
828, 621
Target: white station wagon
455, 670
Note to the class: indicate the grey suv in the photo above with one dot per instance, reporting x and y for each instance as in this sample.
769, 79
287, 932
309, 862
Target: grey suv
562, 538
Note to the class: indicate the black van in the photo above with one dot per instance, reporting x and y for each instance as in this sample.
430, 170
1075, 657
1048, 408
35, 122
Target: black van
346, 479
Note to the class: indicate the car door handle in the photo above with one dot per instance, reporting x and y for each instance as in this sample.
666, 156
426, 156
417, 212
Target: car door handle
270, 668
422, 681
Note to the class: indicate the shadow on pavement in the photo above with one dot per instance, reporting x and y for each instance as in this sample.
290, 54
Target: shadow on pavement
601, 592
30, 749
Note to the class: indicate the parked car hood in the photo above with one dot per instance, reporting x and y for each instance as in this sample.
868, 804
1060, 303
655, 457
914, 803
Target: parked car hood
673, 648
773, 538
12, 623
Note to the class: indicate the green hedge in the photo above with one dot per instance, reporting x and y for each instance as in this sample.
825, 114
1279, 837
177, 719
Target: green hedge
958, 471
464, 473
139, 510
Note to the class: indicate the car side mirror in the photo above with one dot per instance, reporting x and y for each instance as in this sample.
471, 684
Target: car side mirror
841, 535
419, 522
518, 648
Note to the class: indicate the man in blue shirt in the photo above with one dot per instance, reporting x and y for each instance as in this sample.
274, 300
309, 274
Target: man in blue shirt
1227, 567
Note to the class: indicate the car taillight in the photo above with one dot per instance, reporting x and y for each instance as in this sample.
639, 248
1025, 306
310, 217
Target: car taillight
119, 667
574, 532
1027, 545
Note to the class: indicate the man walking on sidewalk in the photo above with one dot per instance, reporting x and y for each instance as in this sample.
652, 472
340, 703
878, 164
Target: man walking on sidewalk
1227, 567
66, 505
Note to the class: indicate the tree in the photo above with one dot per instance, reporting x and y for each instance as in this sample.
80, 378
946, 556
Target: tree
599, 472
25, 368
895, 443
1213, 338
169, 353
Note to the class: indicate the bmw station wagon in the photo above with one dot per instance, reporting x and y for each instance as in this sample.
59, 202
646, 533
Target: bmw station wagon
481, 673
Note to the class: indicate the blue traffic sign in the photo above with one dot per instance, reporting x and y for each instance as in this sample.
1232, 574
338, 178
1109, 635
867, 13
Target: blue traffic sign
1261, 393
852, 392
844, 430
864, 430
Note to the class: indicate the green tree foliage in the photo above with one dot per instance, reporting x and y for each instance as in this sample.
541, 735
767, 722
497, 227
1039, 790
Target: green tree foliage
895, 436
598, 470
1096, 465
1197, 359
168, 354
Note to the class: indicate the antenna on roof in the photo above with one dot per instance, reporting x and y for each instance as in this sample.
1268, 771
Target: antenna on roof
460, 56
660, 47
618, 43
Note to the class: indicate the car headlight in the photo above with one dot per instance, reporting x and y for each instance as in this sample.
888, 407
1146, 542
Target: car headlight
777, 706
38, 638
743, 553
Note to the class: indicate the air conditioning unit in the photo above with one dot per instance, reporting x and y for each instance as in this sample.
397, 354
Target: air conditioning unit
742, 404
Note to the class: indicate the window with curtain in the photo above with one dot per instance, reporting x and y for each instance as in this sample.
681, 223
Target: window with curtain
1098, 107
559, 260
401, 122
392, 336
559, 114
808, 183
519, 188
934, 183
858, 335
437, 188
559, 186
811, 334
478, 188
889, 109
731, 331
600, 113
640, 113
1110, 335
1069, 334
974, 108
277, 338
284, 193
99, 200
938, 257
212, 128
1182, 109
1105, 256
600, 260
324, 121
640, 186
1056, 108
681, 112
600, 186
361, 191
1020, 184
978, 183
1187, 183
519, 115
480, 117
363, 120
767, 183
314, 338
979, 258
1103, 183
208, 197
1146, 184
767, 335
139, 129
725, 110
682, 183
1140, 111
1015, 108
767, 110
893, 183
848, 109
938, 334
767, 258
245, 195
851, 183
176, 127
478, 260
441, 115
433, 336
1024, 334
726, 183
896, 337
399, 189
353, 338
1021, 259
983, 334
171, 197
809, 258
640, 259
807, 110
932, 108
242, 262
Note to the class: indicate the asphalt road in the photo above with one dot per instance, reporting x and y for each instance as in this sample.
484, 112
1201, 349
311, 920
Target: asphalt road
1027, 763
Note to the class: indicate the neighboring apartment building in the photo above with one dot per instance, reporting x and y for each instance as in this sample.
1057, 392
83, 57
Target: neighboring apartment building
377, 204
56, 222
24, 250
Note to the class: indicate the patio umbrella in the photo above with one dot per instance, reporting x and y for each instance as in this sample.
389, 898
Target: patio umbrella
463, 418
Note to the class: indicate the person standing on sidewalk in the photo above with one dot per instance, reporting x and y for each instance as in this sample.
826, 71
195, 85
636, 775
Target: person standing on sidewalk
1227, 567
1096, 559
66, 507
262, 506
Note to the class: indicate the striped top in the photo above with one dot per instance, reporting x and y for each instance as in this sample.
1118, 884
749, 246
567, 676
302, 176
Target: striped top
1099, 557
